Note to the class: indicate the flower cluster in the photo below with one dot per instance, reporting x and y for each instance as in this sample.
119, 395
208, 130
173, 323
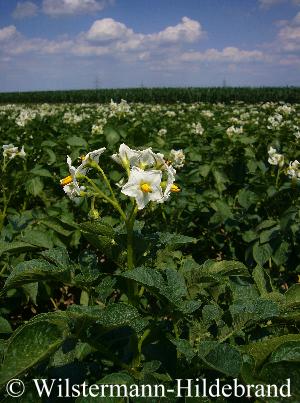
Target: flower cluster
177, 158
149, 176
275, 158
293, 170
197, 128
232, 130
10, 151
70, 183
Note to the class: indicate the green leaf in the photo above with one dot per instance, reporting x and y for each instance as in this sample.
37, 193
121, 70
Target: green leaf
111, 135
36, 270
176, 284
34, 186
51, 156
204, 170
76, 141
56, 225
253, 310
289, 351
30, 344
262, 280
262, 253
171, 289
16, 246
98, 227
262, 349
220, 178
224, 268
38, 238
113, 316
39, 171
293, 296
31, 291
106, 288
4, 326
173, 240
117, 378
211, 313
221, 357
183, 347
281, 254
247, 198
58, 256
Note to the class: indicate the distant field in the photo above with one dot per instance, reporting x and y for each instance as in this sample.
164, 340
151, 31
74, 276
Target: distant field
158, 95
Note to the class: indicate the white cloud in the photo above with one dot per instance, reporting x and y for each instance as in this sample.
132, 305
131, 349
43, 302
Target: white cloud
110, 38
25, 9
57, 8
266, 4
187, 30
228, 54
108, 29
289, 35
7, 33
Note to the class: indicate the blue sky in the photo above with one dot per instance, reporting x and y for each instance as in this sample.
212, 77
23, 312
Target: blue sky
70, 44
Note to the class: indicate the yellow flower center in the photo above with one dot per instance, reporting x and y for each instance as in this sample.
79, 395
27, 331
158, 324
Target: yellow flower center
82, 157
66, 181
146, 188
175, 188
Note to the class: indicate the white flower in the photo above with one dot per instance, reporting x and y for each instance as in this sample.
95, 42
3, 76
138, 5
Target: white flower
275, 158
234, 130
293, 169
177, 158
297, 135
126, 156
120, 109
10, 151
70, 184
169, 185
197, 128
149, 159
162, 132
144, 159
144, 186
91, 156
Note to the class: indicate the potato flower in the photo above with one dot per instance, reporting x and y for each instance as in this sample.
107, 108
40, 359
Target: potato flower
275, 158
177, 158
293, 169
10, 151
144, 186
70, 184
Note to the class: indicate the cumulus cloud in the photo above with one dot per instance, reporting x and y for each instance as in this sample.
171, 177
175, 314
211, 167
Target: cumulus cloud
25, 9
8, 33
55, 8
110, 38
123, 38
228, 54
108, 29
187, 30
266, 4
289, 35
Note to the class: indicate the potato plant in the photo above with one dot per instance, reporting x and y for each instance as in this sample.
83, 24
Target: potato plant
143, 243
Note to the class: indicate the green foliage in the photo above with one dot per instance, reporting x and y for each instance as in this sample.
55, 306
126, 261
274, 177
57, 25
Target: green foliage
204, 285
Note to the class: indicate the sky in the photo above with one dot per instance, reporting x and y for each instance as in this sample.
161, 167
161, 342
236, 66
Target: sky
74, 44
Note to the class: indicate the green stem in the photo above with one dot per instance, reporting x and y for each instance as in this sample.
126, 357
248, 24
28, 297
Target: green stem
129, 225
277, 178
115, 204
137, 359
107, 182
